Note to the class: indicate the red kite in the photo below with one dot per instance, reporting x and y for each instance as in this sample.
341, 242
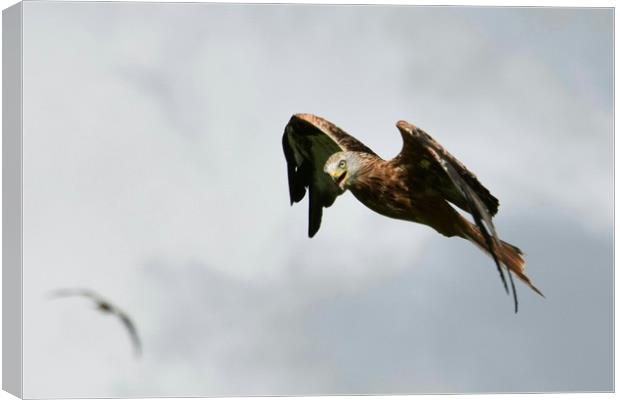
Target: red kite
419, 185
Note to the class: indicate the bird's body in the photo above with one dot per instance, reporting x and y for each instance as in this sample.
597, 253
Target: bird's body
388, 189
104, 307
394, 195
418, 185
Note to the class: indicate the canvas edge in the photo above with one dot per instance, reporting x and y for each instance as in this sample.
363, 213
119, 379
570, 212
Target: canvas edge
12, 342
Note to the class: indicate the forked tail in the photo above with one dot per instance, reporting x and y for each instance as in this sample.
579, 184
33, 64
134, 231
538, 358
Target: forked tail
506, 254
512, 257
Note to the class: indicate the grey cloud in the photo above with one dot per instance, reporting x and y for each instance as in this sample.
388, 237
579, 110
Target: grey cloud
440, 324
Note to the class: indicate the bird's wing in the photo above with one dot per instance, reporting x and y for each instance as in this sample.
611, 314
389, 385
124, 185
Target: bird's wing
439, 171
107, 307
446, 174
308, 142
131, 328
77, 292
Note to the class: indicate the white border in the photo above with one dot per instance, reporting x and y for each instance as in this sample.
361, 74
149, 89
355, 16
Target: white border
506, 3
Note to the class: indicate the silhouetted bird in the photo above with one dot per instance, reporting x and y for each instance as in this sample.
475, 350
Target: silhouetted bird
105, 306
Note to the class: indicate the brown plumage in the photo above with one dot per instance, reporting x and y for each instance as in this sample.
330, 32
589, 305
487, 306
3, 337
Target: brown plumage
418, 185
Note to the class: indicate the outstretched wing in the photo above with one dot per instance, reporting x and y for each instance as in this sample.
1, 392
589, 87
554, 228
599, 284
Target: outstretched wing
308, 142
131, 329
440, 172
446, 174
77, 292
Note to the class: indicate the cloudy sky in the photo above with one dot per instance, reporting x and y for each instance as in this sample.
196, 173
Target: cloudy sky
153, 174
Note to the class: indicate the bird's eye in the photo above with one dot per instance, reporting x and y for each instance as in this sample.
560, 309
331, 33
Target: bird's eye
342, 164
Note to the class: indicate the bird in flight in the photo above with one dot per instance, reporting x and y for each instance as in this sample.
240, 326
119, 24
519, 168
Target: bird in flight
419, 185
105, 307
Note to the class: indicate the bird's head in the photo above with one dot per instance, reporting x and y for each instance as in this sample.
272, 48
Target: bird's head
342, 167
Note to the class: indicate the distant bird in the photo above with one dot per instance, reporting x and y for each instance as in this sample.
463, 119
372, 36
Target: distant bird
106, 307
417, 185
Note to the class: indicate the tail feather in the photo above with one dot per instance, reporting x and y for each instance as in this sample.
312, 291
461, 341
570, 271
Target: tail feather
512, 257
508, 255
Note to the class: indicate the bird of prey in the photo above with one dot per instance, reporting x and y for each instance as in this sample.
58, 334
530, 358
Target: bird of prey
106, 307
419, 185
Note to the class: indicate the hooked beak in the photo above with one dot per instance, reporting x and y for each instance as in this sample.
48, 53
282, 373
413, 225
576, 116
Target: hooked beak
339, 177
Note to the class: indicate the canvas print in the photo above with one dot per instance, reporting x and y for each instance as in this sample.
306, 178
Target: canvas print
288, 199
